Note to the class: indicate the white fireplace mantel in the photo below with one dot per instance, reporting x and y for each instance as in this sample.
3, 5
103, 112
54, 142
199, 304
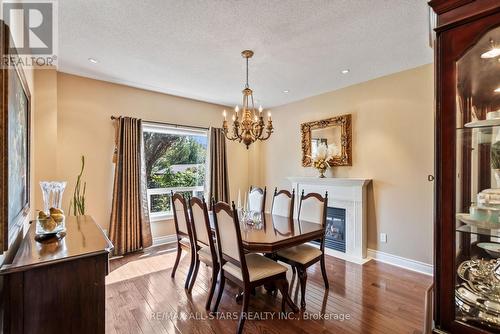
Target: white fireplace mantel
348, 194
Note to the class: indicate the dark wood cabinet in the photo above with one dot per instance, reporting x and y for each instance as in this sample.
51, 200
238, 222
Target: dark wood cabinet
58, 286
467, 194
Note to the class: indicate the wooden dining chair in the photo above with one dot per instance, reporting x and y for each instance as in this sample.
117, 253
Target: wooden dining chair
183, 231
204, 243
257, 199
248, 271
312, 209
283, 202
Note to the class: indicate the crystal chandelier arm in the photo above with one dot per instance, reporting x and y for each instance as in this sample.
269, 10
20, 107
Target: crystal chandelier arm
226, 134
235, 130
257, 128
269, 130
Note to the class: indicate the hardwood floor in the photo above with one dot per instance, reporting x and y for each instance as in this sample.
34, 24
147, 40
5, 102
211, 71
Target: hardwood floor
141, 297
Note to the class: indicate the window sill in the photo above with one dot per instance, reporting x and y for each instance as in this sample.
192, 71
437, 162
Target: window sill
159, 218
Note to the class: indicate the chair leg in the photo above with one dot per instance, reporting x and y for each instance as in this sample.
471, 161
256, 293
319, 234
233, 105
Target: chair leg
190, 271
303, 280
219, 292
323, 272
195, 273
177, 259
283, 287
215, 271
244, 310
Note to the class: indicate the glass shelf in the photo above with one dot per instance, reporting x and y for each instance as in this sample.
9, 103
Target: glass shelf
478, 231
487, 129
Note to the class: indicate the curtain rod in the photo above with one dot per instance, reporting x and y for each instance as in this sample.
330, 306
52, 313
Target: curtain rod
170, 124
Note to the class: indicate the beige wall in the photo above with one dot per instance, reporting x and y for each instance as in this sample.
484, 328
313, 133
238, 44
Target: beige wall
84, 107
393, 124
46, 130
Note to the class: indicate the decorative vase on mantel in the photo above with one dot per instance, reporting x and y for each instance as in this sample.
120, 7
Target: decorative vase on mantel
321, 171
324, 154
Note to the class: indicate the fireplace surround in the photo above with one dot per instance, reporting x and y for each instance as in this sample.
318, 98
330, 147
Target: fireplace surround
345, 194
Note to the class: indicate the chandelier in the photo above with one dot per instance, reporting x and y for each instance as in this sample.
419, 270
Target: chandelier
251, 126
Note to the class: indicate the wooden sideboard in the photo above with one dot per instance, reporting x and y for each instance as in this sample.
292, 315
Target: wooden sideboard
58, 286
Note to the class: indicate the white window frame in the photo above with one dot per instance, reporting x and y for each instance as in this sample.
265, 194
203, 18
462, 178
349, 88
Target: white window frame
182, 131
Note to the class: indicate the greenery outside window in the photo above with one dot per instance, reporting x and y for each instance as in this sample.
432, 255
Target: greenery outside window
175, 160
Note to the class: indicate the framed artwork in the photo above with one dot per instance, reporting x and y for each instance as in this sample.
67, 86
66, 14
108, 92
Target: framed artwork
15, 113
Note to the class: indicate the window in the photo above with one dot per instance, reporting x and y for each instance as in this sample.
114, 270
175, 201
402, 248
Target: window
175, 160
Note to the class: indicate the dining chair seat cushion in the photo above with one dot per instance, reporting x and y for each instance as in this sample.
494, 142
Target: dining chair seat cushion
259, 267
185, 242
205, 255
300, 254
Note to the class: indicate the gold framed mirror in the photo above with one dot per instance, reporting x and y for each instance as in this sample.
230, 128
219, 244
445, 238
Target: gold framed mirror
336, 130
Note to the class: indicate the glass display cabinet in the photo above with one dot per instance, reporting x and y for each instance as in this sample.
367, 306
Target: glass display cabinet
467, 189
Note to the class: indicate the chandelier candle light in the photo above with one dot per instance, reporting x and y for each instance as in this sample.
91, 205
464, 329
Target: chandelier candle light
251, 126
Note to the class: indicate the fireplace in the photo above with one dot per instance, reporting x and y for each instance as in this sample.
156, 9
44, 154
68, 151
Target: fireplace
335, 229
350, 196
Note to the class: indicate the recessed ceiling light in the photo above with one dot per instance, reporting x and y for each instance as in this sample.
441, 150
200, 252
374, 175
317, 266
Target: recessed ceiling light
345, 71
286, 91
497, 90
495, 52
93, 60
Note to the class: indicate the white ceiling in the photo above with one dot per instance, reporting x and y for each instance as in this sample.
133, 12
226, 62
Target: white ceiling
191, 48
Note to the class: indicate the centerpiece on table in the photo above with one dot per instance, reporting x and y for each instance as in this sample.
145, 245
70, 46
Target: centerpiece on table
251, 219
322, 157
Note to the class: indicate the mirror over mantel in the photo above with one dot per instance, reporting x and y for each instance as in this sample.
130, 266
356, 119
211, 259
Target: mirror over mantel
335, 130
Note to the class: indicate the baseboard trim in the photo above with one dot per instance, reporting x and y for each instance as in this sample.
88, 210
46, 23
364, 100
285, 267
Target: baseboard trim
341, 255
402, 262
166, 239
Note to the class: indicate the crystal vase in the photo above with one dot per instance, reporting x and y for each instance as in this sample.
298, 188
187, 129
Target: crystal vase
52, 193
321, 172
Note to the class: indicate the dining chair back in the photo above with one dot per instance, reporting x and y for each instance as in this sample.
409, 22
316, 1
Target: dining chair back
185, 238
283, 202
313, 208
227, 229
257, 199
181, 216
204, 244
201, 224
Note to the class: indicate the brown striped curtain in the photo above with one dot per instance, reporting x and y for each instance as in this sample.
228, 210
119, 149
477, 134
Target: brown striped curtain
219, 183
129, 228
